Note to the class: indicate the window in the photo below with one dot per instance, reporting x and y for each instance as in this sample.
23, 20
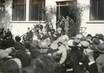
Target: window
19, 10
37, 10
97, 10
63, 8
25, 10
2, 6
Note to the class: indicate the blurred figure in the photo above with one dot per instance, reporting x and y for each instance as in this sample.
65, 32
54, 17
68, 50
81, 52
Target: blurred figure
58, 32
8, 34
5, 53
29, 35
75, 56
9, 64
89, 38
21, 52
61, 53
1, 33
100, 58
66, 28
88, 57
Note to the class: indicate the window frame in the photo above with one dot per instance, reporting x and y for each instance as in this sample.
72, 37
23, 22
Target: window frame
95, 17
63, 3
24, 7
27, 14
40, 5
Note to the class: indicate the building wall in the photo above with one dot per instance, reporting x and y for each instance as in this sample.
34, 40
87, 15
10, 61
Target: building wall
19, 28
93, 27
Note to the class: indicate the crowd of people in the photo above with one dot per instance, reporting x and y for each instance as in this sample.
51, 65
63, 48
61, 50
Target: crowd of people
46, 50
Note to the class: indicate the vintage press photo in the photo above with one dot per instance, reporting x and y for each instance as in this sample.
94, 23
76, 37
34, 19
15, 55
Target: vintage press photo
51, 36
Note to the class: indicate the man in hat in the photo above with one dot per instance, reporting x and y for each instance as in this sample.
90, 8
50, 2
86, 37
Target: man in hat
100, 58
88, 58
75, 56
21, 52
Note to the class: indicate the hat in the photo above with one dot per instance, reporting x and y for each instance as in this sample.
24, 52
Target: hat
100, 36
79, 36
96, 41
89, 40
89, 35
100, 47
72, 42
18, 39
76, 42
84, 43
63, 39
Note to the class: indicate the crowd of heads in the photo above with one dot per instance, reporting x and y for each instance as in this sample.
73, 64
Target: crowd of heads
85, 49
46, 42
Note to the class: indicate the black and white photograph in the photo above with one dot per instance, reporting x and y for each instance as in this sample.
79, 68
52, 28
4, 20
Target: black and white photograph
51, 36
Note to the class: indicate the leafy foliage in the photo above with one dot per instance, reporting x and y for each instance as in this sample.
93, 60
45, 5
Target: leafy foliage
4, 16
75, 14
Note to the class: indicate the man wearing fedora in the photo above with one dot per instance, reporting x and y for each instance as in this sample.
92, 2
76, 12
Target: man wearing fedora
100, 58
